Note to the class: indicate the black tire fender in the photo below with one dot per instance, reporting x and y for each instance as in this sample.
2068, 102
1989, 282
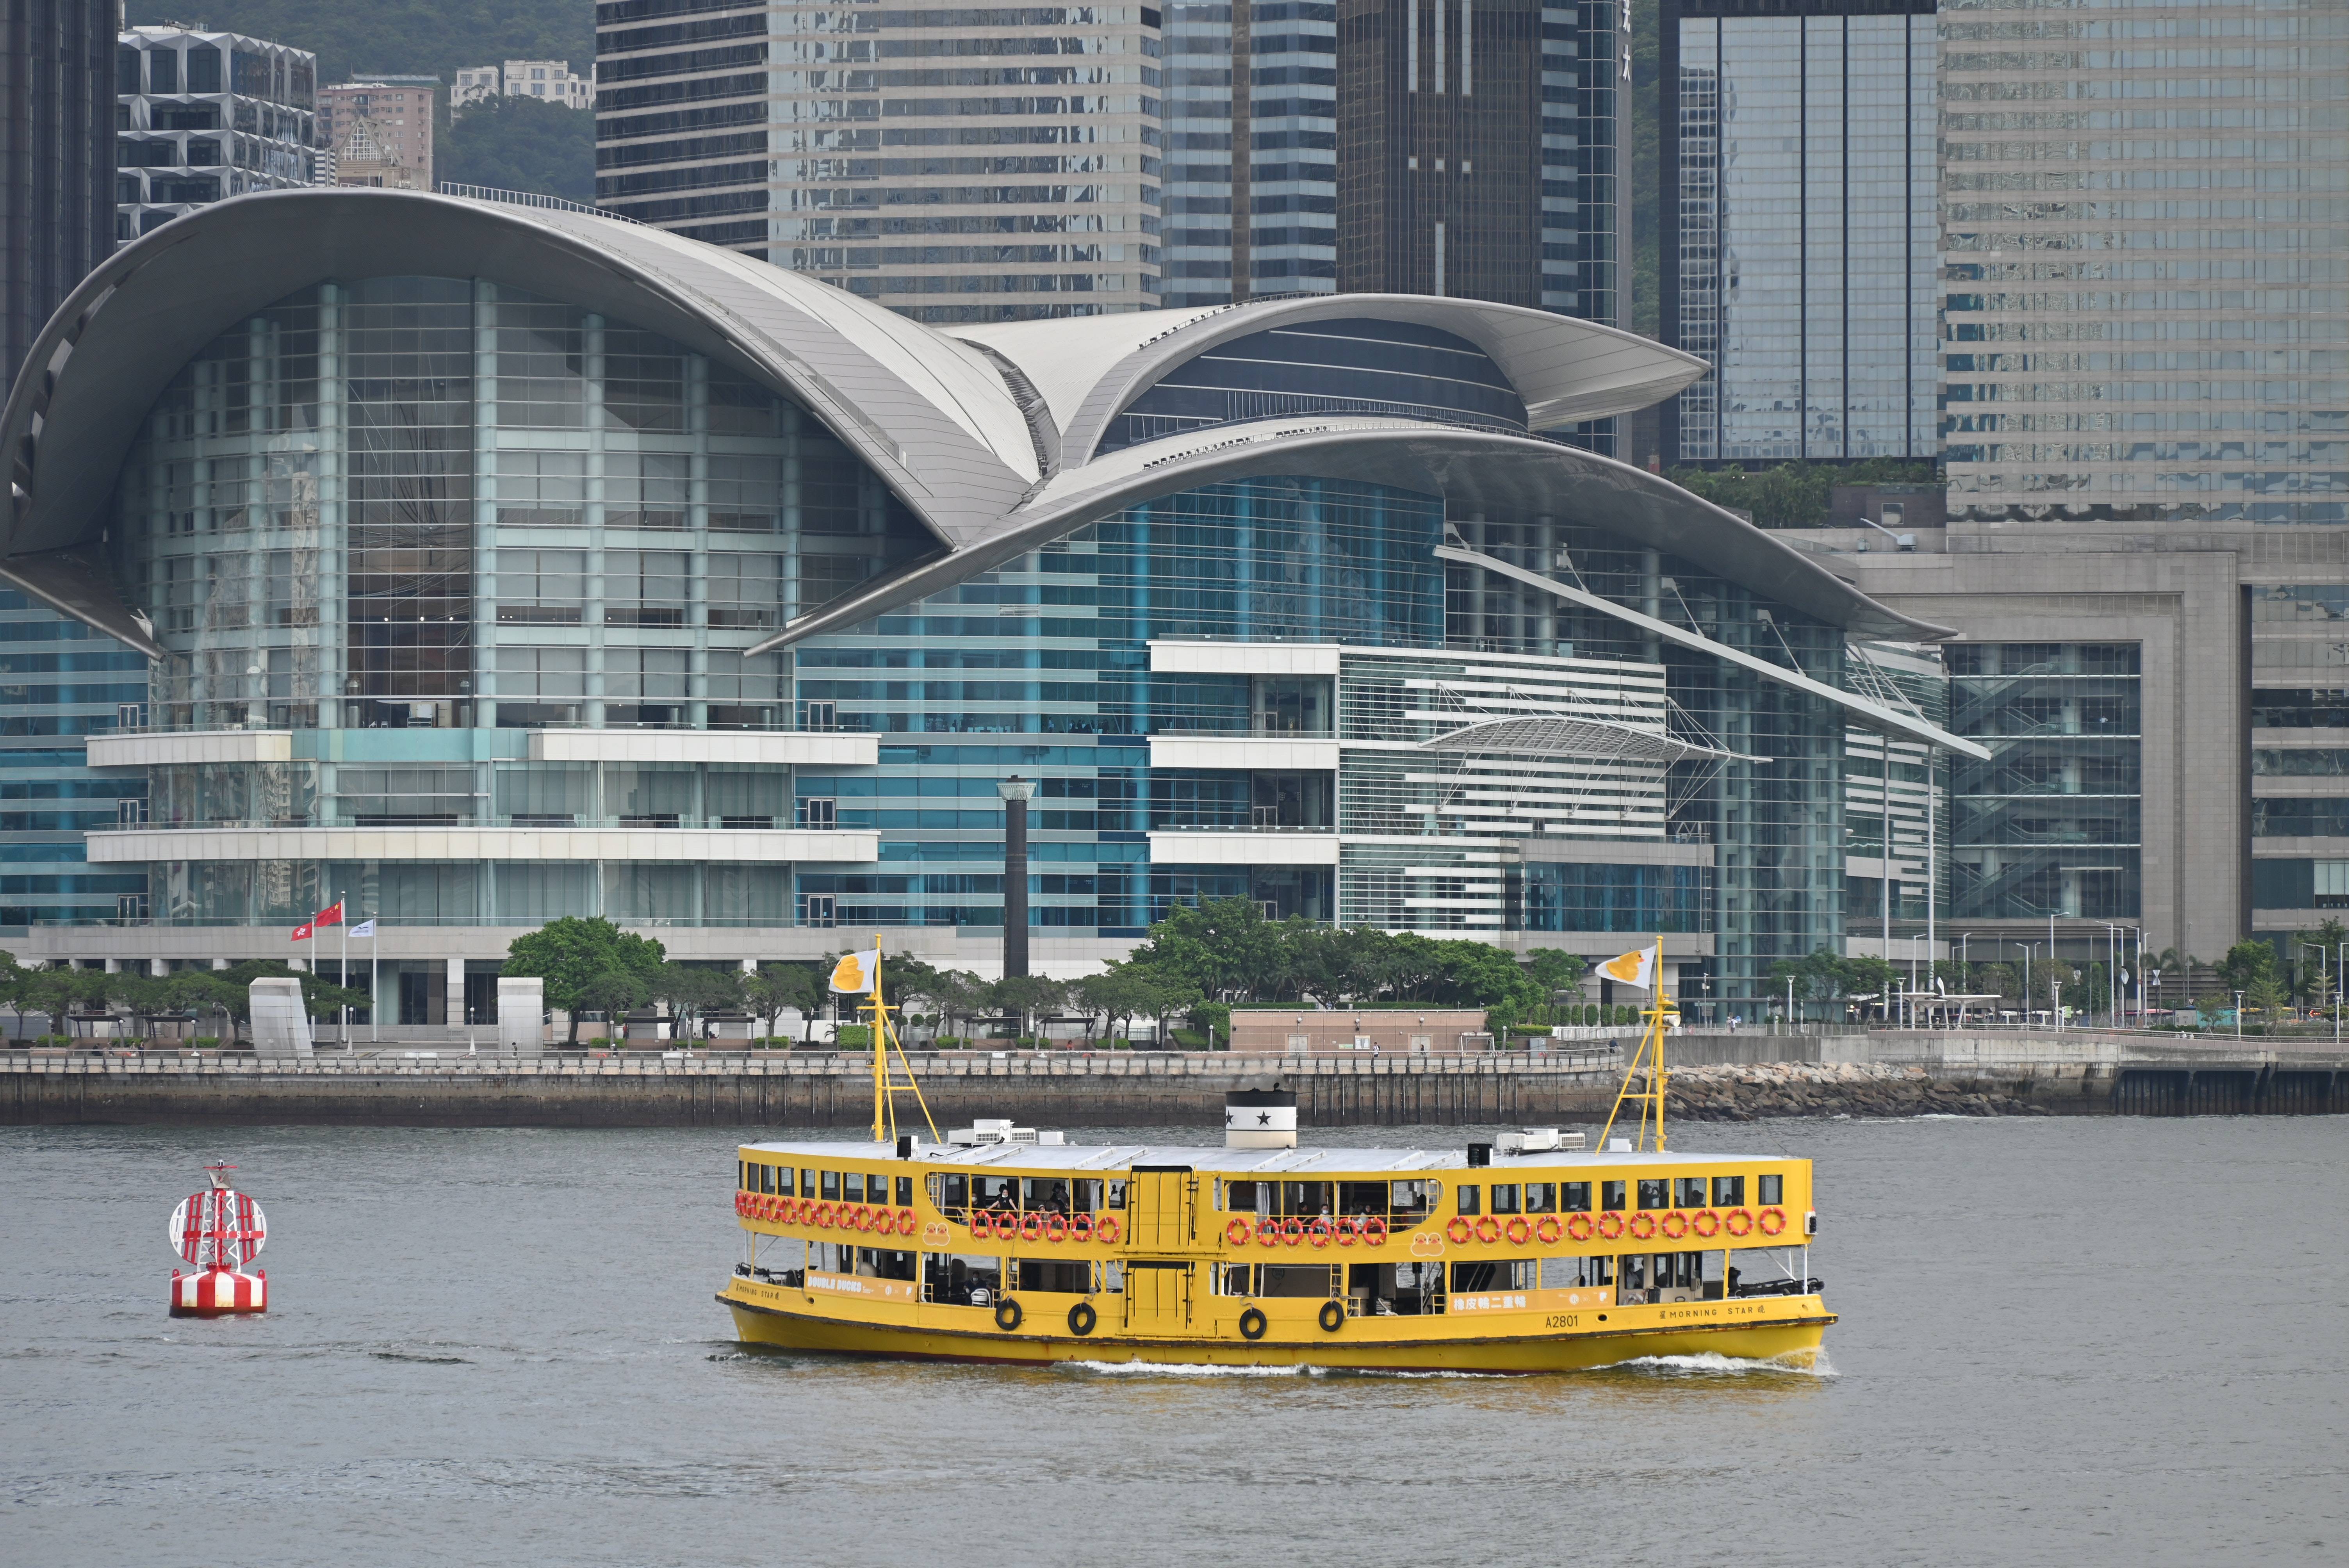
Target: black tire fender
1332, 1316
1253, 1324
1007, 1315
1081, 1319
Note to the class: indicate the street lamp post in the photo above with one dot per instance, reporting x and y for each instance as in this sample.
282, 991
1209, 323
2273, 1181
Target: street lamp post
1016, 792
2028, 949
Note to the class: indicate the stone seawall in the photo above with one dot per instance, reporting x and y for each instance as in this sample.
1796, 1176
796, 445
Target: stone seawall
2083, 1078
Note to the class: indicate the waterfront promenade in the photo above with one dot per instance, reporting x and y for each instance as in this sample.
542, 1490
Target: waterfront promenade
1721, 1076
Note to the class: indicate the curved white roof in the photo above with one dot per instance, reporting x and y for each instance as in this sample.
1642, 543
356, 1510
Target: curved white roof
987, 434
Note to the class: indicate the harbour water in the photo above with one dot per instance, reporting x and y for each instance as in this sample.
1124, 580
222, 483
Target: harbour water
2062, 1342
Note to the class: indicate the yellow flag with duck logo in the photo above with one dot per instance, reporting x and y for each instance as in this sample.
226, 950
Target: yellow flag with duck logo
1637, 967
854, 973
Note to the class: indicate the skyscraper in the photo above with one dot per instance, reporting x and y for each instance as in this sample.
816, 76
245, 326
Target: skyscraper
57, 159
2146, 263
955, 166
377, 131
205, 116
1251, 188
1476, 151
1798, 251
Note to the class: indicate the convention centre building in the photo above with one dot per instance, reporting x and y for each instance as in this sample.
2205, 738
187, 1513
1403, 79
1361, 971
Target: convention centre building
496, 563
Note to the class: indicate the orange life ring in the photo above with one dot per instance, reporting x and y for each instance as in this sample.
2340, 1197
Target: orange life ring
1519, 1230
738, 1196
1773, 1221
1056, 1228
769, 1208
749, 1205
1460, 1232
1346, 1229
1674, 1226
1238, 1232
1705, 1222
1320, 1231
1488, 1230
1107, 1229
1292, 1231
1267, 1233
1374, 1232
1081, 1228
1545, 1229
1611, 1226
1032, 1226
908, 1222
1737, 1222
1578, 1227
826, 1216
862, 1218
982, 1225
1642, 1227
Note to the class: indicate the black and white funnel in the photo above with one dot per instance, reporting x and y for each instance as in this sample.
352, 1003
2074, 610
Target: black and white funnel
1260, 1119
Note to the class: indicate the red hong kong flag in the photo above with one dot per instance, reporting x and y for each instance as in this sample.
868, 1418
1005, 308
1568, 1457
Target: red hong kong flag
305, 931
330, 915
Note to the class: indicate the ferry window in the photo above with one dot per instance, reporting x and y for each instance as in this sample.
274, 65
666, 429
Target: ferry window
1362, 1196
1307, 1280
1308, 1198
904, 1192
1056, 1274
960, 1279
1770, 1190
766, 1178
875, 1263
1089, 1194
1231, 1279
1576, 1197
1240, 1197
1541, 1197
1471, 1200
1413, 1198
742, 1174
831, 1186
1507, 1273
1045, 1194
1654, 1193
1728, 1191
807, 1182
1577, 1273
1689, 1193
1505, 1197
1117, 1194
853, 1187
957, 1193
1610, 1196
783, 1180
995, 1192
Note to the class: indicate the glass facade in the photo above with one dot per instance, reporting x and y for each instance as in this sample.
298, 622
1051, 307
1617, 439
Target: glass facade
59, 681
202, 116
488, 561
2050, 825
1477, 151
1251, 179
1801, 240
962, 164
2148, 299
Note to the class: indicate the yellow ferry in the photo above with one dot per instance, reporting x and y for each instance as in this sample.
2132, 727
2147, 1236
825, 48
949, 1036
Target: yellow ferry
1003, 1244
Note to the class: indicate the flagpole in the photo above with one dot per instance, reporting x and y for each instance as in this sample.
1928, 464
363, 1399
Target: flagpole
343, 977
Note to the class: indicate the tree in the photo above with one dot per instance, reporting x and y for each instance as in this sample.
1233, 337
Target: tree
522, 144
574, 955
778, 988
2318, 970
690, 991
1023, 994
2249, 967
1554, 969
1120, 994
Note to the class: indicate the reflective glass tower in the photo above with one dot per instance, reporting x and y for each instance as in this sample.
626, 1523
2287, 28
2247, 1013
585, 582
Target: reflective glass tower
1798, 255
2148, 287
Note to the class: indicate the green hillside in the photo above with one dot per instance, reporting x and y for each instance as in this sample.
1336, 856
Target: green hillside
415, 37
522, 144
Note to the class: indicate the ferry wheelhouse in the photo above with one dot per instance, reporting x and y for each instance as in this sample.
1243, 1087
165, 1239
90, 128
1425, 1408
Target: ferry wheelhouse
1533, 1254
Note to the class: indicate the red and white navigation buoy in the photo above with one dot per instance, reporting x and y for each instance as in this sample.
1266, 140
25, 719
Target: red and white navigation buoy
219, 1231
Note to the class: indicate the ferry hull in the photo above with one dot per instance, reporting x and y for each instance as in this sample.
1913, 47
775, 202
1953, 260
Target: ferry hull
1794, 1340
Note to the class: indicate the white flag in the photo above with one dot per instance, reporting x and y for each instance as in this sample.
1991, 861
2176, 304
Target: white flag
854, 973
1637, 967
364, 928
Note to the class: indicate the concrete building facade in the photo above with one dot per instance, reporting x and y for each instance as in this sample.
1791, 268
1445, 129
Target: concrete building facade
378, 132
552, 80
